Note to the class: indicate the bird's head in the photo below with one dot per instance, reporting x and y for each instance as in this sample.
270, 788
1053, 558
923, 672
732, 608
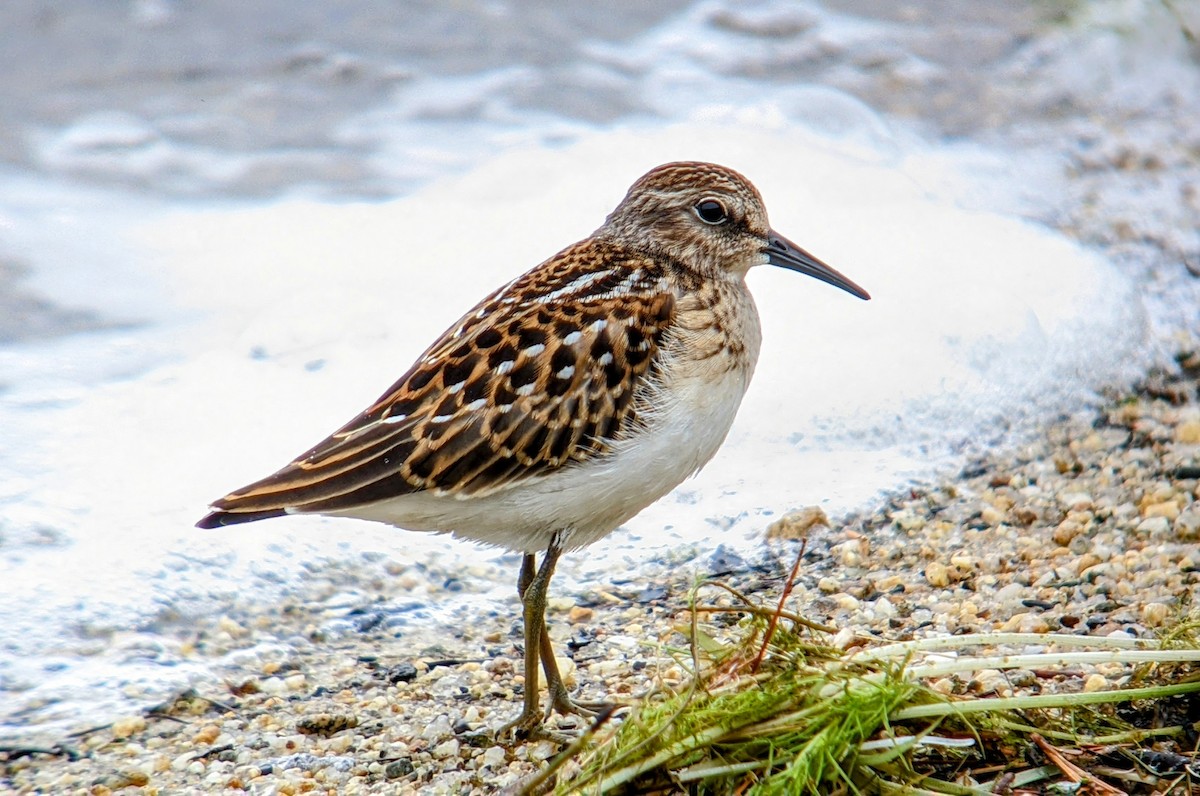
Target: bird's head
710, 218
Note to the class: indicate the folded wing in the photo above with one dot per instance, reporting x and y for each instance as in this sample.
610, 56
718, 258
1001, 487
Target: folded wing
543, 374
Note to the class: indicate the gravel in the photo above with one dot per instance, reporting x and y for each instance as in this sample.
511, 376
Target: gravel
1090, 528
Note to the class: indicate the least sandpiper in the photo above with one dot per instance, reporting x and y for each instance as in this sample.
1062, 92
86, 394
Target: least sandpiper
566, 401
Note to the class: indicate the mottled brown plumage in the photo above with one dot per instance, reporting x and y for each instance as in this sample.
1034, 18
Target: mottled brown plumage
568, 400
540, 374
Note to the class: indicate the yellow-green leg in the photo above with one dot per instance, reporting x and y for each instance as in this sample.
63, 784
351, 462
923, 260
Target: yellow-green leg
532, 588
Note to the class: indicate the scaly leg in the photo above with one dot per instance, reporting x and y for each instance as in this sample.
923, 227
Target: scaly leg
560, 698
532, 588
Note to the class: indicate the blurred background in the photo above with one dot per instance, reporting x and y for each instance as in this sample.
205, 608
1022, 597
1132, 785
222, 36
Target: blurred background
225, 227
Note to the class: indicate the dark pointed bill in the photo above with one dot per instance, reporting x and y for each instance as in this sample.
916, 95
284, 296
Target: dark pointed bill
782, 252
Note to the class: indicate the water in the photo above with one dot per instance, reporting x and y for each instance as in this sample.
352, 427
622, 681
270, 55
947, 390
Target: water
215, 247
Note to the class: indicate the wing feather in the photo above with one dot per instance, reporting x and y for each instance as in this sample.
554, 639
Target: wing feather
540, 375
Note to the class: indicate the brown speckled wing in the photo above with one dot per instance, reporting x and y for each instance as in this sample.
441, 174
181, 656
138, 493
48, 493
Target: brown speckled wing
541, 374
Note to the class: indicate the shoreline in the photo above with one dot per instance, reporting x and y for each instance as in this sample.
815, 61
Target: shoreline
1097, 546
1089, 528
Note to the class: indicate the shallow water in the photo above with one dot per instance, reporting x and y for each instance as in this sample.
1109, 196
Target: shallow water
218, 246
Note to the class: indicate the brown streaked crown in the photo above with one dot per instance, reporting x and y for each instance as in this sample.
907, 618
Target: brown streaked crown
659, 215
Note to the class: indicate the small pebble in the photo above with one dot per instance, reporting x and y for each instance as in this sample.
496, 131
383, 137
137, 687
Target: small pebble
493, 756
937, 574
1188, 433
231, 627
207, 735
991, 515
1154, 525
542, 750
123, 728
272, 685
797, 524
1066, 531
1155, 614
843, 639
1187, 525
326, 723
1076, 501
398, 768
446, 749
1168, 509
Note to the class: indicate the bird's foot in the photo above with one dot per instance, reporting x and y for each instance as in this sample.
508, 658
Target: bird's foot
561, 703
530, 726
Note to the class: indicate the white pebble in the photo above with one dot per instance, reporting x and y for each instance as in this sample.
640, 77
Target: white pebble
1076, 501
272, 685
446, 749
1154, 525
493, 756
542, 750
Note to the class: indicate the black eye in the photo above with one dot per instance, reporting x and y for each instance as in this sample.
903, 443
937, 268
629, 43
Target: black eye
711, 211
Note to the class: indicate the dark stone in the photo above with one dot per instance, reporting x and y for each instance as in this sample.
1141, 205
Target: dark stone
369, 622
478, 740
725, 561
403, 672
652, 594
398, 768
